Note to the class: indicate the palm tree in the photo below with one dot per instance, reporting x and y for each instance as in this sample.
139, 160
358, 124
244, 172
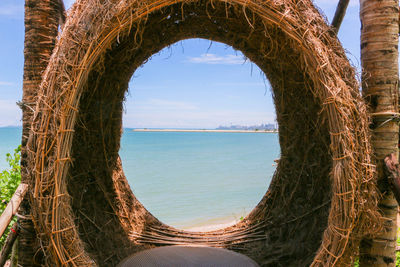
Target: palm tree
41, 28
379, 58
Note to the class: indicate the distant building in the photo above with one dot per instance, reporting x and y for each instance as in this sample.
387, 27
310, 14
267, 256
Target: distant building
265, 127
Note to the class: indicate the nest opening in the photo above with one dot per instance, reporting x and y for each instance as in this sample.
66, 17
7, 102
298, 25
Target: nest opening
315, 209
181, 164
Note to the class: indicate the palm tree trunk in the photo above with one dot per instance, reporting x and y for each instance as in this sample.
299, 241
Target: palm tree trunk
41, 28
379, 59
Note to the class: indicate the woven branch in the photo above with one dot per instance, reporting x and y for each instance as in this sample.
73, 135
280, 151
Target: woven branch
83, 207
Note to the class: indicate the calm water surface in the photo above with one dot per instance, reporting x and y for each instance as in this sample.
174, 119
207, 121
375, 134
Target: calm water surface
10, 139
190, 179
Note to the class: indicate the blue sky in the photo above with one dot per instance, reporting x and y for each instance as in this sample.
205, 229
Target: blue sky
185, 86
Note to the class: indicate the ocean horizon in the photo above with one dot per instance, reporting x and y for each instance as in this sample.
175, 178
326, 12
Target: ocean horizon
190, 180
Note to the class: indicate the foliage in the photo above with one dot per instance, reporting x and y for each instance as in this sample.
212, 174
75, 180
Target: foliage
9, 181
398, 252
356, 263
397, 257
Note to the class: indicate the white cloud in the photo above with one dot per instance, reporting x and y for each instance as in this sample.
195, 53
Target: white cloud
13, 11
3, 83
10, 113
215, 59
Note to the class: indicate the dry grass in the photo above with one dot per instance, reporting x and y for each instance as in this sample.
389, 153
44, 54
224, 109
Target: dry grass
322, 198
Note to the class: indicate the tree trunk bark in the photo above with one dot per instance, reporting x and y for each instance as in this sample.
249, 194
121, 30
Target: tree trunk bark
41, 29
379, 59
9, 244
14, 254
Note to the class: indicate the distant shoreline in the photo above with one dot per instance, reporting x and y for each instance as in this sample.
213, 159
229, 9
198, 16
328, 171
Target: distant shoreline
203, 131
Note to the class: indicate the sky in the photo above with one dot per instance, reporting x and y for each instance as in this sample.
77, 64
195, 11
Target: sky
188, 85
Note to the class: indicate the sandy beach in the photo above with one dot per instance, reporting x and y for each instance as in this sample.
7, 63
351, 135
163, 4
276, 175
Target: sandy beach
203, 131
210, 227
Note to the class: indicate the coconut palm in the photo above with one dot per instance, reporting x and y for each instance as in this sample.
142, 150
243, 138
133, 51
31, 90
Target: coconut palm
379, 57
41, 28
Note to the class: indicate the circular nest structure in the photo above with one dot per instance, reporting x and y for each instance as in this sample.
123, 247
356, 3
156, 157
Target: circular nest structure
322, 198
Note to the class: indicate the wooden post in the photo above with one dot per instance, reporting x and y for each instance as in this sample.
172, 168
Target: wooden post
379, 59
12, 207
339, 14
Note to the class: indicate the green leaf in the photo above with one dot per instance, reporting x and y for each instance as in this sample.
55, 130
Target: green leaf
9, 181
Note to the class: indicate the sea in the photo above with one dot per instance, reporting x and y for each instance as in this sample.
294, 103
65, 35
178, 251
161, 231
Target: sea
190, 180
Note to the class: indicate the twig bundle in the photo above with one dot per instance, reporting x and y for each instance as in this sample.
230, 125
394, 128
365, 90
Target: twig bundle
322, 197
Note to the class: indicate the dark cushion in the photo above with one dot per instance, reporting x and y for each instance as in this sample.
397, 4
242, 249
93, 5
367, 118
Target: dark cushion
182, 256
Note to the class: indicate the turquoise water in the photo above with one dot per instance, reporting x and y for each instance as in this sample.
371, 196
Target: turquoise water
193, 179
190, 179
10, 139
